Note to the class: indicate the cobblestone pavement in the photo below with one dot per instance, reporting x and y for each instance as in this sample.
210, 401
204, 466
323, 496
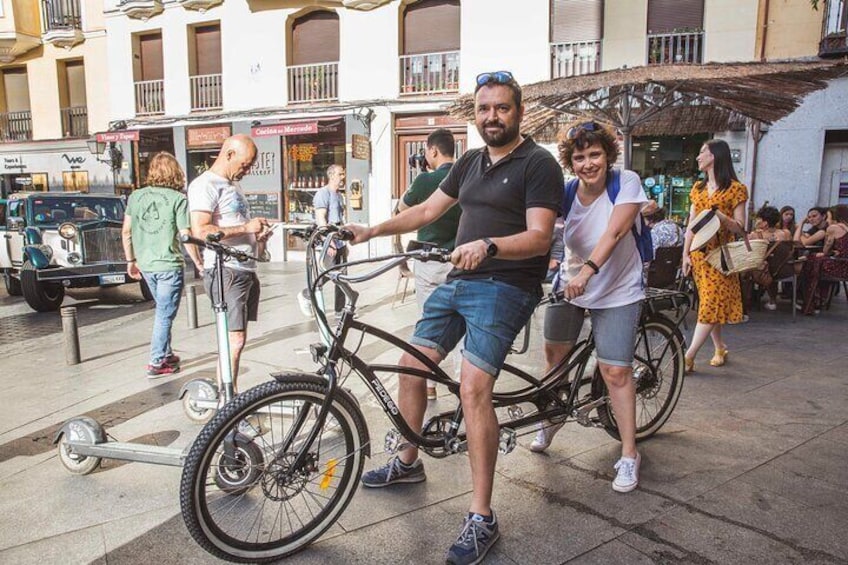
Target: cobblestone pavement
749, 469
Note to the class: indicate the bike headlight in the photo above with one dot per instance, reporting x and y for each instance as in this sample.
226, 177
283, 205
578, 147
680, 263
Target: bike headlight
68, 230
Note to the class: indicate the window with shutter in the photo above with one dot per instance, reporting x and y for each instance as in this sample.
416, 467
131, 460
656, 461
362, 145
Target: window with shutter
431, 26
576, 20
208, 44
150, 55
667, 16
315, 38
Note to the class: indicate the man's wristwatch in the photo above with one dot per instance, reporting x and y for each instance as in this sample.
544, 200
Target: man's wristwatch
491, 248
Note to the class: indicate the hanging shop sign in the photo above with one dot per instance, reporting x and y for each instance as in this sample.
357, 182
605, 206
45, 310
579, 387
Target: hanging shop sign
360, 147
213, 136
294, 128
115, 136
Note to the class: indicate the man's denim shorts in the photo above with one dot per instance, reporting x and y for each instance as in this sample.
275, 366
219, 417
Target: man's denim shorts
614, 329
490, 314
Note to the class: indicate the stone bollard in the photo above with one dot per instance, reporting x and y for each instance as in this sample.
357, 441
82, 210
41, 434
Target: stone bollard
70, 335
191, 306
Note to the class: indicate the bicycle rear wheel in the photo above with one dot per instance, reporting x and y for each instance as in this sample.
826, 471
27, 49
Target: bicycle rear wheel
658, 369
241, 498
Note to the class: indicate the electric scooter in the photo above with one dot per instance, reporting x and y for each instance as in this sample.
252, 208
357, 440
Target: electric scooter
82, 441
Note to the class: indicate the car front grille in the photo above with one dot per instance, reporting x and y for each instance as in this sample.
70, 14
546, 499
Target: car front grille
102, 245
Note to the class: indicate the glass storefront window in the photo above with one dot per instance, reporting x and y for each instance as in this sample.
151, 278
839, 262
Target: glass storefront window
307, 159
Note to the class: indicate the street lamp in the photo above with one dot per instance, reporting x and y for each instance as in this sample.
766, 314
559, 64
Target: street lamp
112, 155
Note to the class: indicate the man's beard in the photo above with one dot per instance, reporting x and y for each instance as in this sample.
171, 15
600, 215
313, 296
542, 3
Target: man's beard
505, 136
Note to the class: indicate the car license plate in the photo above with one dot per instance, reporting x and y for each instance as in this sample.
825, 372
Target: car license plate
112, 279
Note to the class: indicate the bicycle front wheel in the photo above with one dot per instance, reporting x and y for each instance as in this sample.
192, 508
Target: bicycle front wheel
242, 498
658, 370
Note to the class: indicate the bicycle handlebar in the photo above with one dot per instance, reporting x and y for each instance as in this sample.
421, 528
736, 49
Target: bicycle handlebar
213, 243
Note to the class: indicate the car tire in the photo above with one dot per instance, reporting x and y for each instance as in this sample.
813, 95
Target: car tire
13, 285
41, 296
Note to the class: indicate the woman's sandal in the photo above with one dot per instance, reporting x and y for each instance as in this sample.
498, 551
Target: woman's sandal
719, 358
689, 364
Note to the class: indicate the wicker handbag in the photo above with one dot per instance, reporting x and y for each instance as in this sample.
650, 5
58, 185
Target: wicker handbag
739, 256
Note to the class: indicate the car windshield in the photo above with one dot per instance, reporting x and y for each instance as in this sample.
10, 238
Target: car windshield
54, 211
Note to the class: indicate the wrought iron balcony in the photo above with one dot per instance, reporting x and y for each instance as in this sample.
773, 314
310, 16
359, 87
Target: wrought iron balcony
313, 83
149, 97
206, 92
16, 126
577, 58
62, 22
669, 48
75, 121
429, 73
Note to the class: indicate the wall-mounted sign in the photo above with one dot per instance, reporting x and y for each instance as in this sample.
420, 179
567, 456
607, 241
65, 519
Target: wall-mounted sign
75, 161
13, 163
114, 136
360, 147
650, 182
264, 205
295, 128
265, 164
213, 136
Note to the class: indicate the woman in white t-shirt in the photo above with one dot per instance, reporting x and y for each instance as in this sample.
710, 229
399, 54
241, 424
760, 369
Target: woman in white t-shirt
601, 273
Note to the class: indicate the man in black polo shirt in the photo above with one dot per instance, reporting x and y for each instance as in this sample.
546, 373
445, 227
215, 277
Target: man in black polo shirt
510, 192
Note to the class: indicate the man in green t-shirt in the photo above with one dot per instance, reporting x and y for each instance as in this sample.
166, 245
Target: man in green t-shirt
155, 217
442, 232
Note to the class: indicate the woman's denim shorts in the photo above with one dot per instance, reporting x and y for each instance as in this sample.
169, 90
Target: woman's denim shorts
614, 329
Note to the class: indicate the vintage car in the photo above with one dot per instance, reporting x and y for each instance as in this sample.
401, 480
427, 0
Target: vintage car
54, 241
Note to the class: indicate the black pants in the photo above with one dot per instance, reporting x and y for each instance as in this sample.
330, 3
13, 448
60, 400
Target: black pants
337, 259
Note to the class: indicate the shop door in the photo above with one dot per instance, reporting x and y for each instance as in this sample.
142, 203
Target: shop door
75, 181
411, 162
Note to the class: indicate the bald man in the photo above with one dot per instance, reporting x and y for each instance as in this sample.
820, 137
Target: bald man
217, 204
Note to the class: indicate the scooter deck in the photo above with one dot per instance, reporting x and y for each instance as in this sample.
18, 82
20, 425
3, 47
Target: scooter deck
130, 452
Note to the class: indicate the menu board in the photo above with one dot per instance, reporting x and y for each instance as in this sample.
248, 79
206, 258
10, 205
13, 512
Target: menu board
264, 205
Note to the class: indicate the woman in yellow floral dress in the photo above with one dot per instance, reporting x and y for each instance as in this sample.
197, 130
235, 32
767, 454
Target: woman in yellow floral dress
720, 297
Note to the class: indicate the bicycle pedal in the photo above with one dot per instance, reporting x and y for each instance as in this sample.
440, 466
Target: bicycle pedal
393, 441
515, 412
508, 441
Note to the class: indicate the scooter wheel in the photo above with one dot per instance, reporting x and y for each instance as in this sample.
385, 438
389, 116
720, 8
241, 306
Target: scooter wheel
193, 412
78, 431
237, 476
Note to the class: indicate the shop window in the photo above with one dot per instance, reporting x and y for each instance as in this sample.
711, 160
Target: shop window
75, 181
307, 159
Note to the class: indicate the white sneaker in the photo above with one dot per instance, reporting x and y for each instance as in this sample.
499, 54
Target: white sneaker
545, 436
627, 477
770, 306
304, 303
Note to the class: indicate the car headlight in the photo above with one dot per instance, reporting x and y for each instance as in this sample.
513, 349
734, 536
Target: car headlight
74, 258
68, 230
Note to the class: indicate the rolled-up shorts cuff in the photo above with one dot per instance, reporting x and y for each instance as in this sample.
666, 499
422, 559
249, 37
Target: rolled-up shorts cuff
480, 364
616, 363
421, 342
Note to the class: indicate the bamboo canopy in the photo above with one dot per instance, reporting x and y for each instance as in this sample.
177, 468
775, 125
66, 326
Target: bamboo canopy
676, 99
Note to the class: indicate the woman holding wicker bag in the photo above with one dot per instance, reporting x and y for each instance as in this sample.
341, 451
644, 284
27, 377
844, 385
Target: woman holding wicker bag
720, 199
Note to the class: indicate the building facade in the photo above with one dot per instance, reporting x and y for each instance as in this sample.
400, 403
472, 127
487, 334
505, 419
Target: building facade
361, 83
53, 92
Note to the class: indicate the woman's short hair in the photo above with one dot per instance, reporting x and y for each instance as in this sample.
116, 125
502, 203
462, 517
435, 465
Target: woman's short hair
582, 134
165, 171
770, 215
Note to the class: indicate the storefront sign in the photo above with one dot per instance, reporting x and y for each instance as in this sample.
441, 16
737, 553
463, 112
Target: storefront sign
265, 164
113, 136
75, 162
360, 147
297, 128
13, 163
206, 137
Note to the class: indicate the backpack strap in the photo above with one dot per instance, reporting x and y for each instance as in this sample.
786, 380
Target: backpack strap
570, 195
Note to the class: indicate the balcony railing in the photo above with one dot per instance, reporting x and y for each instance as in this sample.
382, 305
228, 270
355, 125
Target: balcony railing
572, 59
429, 73
314, 83
61, 14
149, 97
206, 92
75, 121
16, 126
669, 48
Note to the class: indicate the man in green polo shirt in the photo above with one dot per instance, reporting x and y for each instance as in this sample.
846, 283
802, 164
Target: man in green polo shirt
430, 274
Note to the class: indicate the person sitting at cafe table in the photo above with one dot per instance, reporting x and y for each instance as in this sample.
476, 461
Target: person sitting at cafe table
766, 226
787, 219
819, 265
815, 234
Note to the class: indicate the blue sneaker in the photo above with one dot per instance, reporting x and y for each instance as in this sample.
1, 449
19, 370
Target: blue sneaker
395, 472
477, 537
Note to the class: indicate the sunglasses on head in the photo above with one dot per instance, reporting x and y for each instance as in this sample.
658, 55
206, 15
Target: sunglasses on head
585, 126
497, 77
